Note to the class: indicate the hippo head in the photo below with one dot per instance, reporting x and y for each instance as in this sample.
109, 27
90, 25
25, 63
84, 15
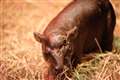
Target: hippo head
55, 48
58, 48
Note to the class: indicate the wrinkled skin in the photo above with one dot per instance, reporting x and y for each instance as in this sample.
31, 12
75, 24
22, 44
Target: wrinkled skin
75, 31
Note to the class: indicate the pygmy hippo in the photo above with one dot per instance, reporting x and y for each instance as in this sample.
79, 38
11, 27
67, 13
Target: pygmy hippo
83, 26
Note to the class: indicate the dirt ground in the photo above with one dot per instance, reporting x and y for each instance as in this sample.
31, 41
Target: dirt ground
116, 5
20, 18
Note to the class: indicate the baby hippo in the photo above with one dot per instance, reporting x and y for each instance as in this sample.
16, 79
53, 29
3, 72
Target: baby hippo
83, 26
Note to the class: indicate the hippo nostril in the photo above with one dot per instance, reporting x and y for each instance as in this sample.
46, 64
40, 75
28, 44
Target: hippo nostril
58, 68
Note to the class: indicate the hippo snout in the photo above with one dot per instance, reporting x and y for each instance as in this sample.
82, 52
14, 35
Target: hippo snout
59, 59
59, 63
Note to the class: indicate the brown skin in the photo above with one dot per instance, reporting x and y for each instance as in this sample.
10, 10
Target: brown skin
72, 33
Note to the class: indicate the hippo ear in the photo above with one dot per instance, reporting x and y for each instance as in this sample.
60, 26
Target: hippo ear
40, 37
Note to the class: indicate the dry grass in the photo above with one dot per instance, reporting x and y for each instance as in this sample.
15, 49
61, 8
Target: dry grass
102, 67
20, 54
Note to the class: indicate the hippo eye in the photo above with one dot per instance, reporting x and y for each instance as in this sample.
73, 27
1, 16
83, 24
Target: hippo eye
64, 42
